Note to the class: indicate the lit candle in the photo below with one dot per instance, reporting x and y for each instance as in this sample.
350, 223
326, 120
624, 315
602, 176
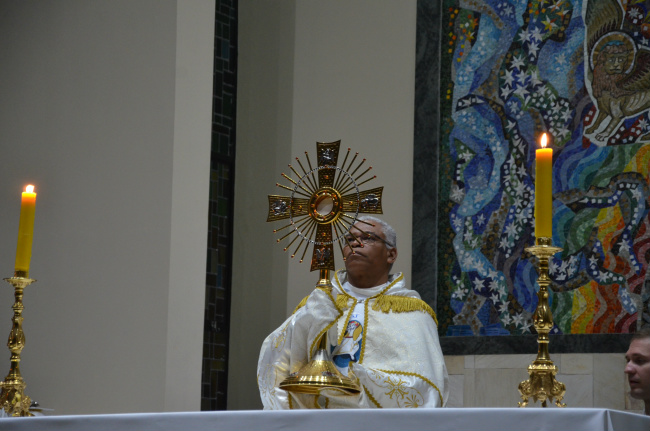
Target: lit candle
25, 232
544, 191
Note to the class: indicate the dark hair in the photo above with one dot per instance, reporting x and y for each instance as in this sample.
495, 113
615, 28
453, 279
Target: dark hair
642, 333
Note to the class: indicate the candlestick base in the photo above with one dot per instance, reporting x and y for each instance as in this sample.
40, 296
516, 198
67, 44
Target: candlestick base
12, 397
542, 386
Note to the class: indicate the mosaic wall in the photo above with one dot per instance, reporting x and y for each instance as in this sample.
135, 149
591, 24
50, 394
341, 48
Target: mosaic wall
214, 379
510, 70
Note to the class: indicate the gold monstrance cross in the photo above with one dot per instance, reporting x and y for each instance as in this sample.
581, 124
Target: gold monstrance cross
324, 203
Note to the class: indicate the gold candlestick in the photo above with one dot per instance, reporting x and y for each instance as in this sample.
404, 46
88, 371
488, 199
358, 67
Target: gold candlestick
542, 386
12, 397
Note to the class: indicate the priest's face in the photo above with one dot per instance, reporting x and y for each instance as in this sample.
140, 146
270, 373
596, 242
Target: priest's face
638, 368
367, 258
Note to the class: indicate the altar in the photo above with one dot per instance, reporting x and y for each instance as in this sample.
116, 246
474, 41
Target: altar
456, 419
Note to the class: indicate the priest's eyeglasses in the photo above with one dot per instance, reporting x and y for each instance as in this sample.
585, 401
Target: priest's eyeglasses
365, 238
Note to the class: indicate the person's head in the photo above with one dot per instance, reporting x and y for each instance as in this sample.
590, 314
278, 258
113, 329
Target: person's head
638, 366
369, 252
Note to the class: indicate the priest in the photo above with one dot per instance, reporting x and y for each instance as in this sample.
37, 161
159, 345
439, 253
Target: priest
379, 334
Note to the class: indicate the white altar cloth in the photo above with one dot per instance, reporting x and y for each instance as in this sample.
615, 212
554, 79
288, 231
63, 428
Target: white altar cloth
447, 419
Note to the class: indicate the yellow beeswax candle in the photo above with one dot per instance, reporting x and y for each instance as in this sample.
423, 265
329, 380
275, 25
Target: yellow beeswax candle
544, 191
25, 232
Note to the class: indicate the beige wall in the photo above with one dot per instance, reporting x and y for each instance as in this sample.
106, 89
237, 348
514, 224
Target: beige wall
106, 109
312, 71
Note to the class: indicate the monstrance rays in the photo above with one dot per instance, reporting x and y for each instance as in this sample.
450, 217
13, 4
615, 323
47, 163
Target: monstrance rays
324, 203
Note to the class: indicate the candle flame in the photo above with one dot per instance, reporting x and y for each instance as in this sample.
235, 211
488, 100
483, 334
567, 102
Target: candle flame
544, 140
29, 189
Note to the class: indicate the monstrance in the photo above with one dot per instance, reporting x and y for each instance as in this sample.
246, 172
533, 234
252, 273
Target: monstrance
324, 203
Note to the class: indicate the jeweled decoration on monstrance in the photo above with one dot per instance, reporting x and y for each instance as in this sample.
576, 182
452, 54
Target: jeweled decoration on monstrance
325, 201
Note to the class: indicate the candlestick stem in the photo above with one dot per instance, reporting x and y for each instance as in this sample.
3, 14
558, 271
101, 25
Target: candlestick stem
542, 386
12, 397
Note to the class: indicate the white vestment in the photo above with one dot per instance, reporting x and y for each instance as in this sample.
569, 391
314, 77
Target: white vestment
401, 363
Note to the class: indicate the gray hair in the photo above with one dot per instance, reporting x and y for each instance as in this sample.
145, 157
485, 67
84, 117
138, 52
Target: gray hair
386, 229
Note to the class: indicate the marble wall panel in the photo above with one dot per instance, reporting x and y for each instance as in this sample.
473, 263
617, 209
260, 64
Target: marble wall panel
456, 390
591, 380
609, 381
570, 363
579, 389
